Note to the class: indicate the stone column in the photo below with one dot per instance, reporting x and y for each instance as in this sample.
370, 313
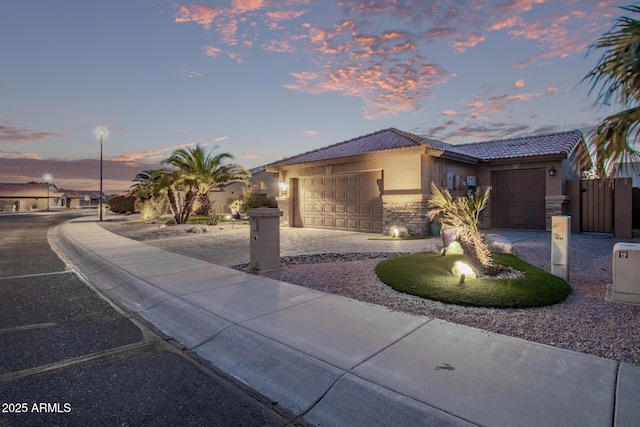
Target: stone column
265, 239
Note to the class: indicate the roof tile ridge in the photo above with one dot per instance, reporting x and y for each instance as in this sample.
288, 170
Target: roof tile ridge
544, 135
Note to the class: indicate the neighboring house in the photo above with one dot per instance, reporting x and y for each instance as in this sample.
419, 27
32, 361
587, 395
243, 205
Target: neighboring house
78, 199
376, 181
261, 181
31, 196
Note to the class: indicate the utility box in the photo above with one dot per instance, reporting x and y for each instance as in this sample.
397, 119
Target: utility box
560, 243
265, 239
625, 267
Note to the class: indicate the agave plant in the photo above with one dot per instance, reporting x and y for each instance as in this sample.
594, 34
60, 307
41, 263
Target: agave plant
462, 215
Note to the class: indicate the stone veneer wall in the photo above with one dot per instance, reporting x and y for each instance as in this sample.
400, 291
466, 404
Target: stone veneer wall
554, 205
411, 215
283, 205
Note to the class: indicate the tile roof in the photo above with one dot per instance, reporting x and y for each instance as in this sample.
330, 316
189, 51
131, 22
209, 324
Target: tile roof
28, 190
382, 140
562, 143
80, 194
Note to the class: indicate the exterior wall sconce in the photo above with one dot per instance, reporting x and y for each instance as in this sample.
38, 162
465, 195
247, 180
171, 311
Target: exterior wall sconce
283, 187
552, 171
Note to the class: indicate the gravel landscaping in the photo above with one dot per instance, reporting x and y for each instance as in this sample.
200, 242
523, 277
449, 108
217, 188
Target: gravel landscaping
584, 322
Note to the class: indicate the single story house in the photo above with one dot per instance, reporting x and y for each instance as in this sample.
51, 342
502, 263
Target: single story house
34, 195
78, 199
30, 196
380, 180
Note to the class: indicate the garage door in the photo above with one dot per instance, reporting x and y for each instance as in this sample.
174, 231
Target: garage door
518, 199
349, 202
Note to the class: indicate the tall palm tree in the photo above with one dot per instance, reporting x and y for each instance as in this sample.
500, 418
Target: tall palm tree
152, 201
147, 183
616, 76
462, 215
195, 174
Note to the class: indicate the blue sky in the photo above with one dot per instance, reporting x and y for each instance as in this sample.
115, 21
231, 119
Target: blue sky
265, 79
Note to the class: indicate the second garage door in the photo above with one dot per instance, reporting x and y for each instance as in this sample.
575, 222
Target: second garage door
349, 202
518, 199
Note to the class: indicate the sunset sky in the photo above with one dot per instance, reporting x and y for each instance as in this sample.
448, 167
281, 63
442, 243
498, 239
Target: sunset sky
264, 79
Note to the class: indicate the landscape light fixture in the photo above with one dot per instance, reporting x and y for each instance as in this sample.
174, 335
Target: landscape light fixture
552, 171
47, 178
283, 187
101, 133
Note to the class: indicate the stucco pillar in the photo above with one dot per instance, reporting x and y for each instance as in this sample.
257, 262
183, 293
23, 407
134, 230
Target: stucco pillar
265, 239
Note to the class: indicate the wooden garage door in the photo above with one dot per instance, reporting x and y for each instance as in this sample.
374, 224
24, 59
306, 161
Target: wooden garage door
518, 199
343, 202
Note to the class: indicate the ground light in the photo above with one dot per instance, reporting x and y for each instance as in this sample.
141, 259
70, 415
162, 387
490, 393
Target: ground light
463, 271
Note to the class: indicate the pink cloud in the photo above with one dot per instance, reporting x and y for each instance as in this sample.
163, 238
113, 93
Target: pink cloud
19, 155
471, 41
311, 132
519, 84
449, 113
212, 51
190, 74
242, 6
250, 156
285, 15
13, 134
203, 15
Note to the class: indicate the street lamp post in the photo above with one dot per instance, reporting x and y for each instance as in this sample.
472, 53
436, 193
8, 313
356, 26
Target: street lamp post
101, 133
47, 179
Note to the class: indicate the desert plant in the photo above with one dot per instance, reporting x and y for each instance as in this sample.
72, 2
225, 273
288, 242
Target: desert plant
197, 173
617, 74
122, 204
462, 215
251, 200
152, 208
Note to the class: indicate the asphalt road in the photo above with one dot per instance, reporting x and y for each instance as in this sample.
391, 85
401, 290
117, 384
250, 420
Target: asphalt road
69, 357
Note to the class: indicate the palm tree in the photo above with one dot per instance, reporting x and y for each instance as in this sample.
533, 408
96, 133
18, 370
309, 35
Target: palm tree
462, 215
152, 201
146, 183
616, 76
195, 174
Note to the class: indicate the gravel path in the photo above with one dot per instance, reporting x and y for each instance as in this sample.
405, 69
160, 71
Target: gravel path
585, 322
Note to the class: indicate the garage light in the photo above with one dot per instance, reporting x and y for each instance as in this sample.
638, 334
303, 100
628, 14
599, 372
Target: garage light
283, 187
552, 171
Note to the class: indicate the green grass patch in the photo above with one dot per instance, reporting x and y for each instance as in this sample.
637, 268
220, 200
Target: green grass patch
428, 275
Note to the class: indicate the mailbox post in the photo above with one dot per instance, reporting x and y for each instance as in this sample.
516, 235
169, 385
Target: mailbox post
265, 239
560, 241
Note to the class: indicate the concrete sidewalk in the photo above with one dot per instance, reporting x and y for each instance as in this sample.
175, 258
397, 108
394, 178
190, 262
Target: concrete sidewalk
340, 362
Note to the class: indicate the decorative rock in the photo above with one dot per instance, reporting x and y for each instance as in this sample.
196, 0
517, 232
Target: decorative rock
499, 244
396, 231
197, 230
460, 268
454, 248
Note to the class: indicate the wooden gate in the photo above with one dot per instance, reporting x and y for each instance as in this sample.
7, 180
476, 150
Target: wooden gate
596, 206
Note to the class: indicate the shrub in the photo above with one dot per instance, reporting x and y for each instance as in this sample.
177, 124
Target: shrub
152, 207
122, 204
